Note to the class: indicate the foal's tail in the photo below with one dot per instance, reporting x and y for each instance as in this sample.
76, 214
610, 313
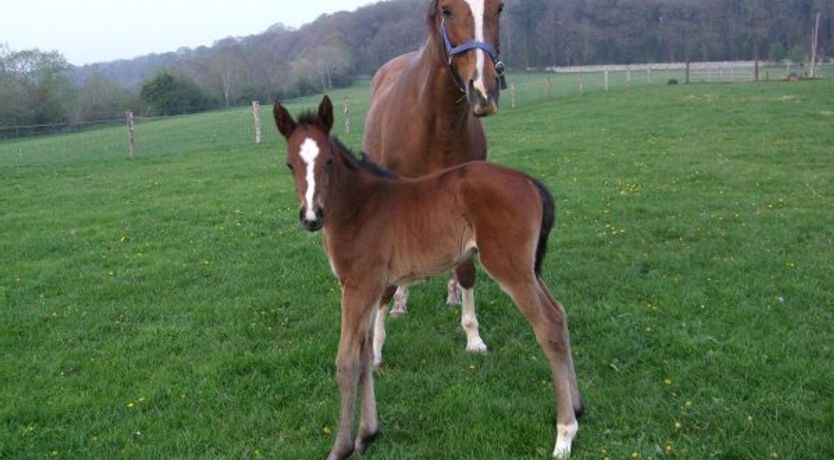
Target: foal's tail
548, 213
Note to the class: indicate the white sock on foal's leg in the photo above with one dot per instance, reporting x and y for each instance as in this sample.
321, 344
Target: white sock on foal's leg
470, 323
564, 439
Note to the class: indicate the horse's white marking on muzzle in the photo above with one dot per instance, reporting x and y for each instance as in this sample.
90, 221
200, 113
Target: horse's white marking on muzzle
478, 11
309, 152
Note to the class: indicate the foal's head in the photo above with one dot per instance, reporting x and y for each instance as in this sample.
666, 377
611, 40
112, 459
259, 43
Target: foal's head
471, 47
310, 158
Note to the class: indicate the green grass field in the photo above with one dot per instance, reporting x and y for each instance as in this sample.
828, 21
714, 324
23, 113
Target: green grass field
172, 307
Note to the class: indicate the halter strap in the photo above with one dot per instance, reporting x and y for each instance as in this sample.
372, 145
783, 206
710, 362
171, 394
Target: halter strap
452, 51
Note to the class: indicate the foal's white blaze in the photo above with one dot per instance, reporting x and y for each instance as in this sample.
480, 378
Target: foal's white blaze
477, 7
309, 152
564, 438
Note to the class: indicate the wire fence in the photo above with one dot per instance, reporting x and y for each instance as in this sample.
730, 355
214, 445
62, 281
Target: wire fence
236, 127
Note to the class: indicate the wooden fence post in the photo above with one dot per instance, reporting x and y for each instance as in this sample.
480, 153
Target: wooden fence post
131, 135
606, 81
256, 113
346, 103
512, 95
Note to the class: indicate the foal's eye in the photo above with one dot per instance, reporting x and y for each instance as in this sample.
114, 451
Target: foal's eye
328, 162
289, 166
447, 12
500, 8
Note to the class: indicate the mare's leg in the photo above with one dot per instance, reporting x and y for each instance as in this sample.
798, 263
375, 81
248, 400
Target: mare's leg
400, 300
465, 274
454, 295
353, 365
379, 326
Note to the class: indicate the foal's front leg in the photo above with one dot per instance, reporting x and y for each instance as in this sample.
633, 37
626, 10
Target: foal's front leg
353, 363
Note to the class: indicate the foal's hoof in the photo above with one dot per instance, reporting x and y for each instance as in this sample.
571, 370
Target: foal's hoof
363, 442
398, 310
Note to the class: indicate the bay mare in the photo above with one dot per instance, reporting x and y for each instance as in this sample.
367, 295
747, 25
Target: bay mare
424, 116
381, 231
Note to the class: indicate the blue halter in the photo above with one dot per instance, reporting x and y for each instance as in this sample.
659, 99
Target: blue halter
452, 51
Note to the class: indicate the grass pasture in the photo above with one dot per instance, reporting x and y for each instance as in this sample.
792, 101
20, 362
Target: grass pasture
171, 306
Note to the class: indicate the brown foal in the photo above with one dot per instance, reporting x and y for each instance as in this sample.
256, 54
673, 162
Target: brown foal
381, 232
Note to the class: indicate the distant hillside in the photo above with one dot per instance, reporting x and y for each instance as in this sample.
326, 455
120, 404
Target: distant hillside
336, 48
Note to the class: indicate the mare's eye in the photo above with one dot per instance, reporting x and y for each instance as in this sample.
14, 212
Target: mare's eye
328, 162
289, 166
447, 12
500, 8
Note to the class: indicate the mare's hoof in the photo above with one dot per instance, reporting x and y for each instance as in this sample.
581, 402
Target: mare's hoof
476, 346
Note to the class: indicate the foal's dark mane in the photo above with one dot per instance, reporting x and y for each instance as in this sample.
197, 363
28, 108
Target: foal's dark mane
364, 162
358, 162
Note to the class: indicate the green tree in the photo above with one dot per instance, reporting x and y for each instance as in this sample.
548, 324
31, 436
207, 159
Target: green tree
797, 54
167, 94
34, 87
777, 52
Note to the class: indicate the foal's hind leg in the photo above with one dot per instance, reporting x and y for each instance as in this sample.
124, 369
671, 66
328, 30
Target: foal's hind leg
465, 274
550, 326
549, 322
576, 396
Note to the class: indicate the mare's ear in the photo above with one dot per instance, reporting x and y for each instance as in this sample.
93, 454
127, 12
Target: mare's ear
326, 113
283, 120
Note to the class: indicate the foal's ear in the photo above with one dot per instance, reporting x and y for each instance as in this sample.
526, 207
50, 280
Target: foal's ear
326, 113
283, 120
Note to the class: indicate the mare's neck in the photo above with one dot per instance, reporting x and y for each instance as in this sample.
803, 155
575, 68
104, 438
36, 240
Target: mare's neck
448, 102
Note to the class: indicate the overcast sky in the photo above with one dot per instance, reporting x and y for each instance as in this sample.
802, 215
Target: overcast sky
90, 31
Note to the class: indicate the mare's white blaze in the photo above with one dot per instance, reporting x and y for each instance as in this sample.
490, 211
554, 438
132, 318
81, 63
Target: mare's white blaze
564, 439
309, 153
478, 11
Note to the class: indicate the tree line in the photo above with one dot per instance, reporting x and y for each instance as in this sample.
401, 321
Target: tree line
41, 87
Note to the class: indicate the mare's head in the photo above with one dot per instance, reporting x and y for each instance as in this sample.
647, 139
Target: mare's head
310, 158
467, 33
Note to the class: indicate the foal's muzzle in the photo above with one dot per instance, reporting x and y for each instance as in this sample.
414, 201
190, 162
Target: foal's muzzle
314, 224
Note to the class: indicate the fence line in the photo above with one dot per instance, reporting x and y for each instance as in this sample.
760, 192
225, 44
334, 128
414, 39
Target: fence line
524, 89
